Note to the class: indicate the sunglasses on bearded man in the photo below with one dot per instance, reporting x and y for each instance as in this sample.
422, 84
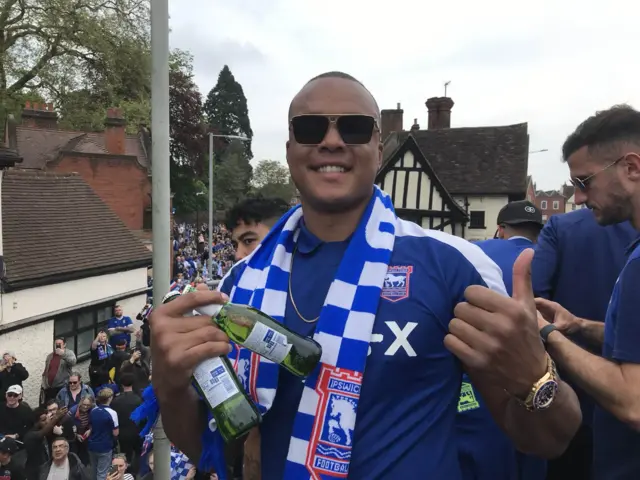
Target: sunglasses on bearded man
353, 129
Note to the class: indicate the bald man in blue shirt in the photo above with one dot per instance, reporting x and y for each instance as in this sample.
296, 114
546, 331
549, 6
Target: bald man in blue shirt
414, 305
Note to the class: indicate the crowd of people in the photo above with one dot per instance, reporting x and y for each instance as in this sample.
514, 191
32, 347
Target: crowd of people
81, 429
191, 255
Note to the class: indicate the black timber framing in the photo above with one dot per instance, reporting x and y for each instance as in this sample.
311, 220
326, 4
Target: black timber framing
438, 218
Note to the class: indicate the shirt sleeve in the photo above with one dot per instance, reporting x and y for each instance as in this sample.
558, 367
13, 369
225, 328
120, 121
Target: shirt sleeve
627, 326
114, 417
545, 261
111, 323
127, 321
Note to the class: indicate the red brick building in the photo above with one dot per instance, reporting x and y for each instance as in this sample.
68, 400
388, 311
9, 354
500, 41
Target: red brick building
116, 165
531, 190
550, 202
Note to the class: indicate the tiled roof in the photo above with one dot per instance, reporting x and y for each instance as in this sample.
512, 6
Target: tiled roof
39, 146
477, 160
55, 225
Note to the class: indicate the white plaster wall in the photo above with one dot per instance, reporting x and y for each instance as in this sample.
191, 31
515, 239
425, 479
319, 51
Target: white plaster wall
32, 344
491, 206
52, 298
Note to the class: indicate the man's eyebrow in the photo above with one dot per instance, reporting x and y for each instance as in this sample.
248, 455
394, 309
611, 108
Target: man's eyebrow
247, 234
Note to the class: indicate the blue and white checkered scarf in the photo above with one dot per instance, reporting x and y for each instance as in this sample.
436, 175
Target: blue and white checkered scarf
320, 446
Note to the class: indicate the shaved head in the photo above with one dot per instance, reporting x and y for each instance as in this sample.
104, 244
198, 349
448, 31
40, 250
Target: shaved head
334, 75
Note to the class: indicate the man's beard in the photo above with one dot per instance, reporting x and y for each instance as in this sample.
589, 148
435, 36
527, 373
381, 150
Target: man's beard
619, 207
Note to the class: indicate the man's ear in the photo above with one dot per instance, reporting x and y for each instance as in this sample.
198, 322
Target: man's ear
632, 166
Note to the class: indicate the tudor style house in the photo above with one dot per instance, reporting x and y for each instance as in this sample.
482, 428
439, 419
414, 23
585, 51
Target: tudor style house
452, 179
115, 164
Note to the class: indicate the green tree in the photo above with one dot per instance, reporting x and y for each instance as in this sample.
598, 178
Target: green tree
271, 179
232, 177
188, 140
226, 109
55, 47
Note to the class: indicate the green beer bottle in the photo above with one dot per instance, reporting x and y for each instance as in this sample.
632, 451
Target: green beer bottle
234, 412
263, 335
217, 383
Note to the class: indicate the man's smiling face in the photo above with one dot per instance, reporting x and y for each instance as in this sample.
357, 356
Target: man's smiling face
335, 174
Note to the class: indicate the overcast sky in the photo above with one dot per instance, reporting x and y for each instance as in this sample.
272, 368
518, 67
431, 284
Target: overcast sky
548, 63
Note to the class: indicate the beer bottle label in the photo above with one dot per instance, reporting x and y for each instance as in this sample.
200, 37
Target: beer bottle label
215, 381
267, 342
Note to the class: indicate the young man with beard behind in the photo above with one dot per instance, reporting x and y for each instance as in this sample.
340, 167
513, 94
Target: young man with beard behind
603, 155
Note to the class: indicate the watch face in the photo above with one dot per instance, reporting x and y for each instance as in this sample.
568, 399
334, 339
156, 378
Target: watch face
545, 395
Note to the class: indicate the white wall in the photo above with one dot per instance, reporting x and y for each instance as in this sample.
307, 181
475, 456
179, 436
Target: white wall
38, 301
33, 343
490, 205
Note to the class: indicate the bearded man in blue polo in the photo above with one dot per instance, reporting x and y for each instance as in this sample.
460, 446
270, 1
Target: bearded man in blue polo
399, 311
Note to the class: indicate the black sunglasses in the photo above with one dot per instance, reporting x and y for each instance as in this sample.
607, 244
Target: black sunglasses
354, 129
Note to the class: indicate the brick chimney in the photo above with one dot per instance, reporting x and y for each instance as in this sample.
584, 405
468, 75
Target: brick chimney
39, 115
439, 112
391, 121
114, 131
415, 127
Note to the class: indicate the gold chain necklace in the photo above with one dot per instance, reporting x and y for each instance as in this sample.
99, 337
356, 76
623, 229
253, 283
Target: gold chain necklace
293, 302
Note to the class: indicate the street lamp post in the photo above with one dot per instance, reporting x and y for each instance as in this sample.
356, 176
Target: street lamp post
211, 158
161, 195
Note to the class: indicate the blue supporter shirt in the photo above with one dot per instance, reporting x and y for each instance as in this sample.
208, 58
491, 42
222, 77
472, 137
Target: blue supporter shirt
405, 425
576, 264
485, 452
115, 322
616, 446
103, 422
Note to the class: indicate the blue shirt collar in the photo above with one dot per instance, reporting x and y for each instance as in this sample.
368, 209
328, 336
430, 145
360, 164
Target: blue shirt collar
633, 246
307, 241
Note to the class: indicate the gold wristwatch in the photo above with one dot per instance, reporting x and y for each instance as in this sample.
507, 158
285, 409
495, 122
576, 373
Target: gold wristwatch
543, 392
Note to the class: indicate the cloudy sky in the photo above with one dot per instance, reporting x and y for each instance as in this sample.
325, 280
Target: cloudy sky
548, 63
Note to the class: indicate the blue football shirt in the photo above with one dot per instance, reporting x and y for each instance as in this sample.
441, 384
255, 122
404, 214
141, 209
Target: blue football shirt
104, 421
406, 415
616, 446
121, 322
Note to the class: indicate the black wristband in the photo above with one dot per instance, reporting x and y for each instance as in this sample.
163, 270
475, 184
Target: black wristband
546, 331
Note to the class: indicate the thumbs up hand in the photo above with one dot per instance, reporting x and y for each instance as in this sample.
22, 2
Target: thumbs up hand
498, 336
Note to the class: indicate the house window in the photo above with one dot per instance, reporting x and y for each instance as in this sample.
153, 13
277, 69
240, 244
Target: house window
476, 219
79, 328
556, 205
543, 205
146, 219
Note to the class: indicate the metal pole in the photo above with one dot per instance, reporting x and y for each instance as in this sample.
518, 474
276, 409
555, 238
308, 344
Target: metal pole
210, 260
161, 190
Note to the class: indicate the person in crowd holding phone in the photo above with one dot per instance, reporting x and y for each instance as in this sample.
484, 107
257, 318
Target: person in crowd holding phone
57, 370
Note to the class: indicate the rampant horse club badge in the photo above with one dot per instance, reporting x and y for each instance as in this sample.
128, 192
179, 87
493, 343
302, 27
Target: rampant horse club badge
329, 450
396, 283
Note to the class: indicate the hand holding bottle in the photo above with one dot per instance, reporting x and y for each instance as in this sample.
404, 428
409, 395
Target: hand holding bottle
180, 344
